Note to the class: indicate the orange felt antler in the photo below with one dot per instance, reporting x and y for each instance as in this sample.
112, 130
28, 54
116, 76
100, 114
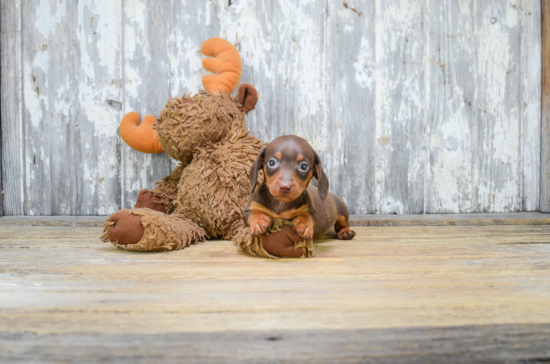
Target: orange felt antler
227, 66
142, 138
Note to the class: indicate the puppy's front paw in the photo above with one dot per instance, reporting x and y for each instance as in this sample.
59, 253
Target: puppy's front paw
303, 224
346, 234
259, 223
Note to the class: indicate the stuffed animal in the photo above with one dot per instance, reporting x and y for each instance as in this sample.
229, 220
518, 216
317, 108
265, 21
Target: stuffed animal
204, 197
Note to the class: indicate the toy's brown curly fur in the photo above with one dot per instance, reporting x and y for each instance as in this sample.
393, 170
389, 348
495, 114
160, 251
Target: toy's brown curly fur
189, 122
210, 187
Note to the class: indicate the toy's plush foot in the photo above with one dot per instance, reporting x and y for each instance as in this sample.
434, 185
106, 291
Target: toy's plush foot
281, 241
146, 199
124, 228
149, 230
284, 243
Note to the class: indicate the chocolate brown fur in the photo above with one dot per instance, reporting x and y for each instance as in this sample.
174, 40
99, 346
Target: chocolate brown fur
288, 164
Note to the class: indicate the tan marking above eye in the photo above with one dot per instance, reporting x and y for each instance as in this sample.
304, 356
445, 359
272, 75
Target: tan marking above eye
300, 158
278, 155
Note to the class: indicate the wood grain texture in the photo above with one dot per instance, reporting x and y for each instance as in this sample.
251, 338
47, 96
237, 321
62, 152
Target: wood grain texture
418, 106
1, 87
530, 108
497, 106
351, 122
388, 285
483, 123
450, 184
545, 132
72, 87
462, 344
399, 106
13, 170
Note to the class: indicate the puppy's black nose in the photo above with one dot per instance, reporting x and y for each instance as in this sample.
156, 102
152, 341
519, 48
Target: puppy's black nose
285, 187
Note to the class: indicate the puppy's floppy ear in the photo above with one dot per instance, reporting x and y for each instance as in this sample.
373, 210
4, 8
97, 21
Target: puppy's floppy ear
322, 180
258, 163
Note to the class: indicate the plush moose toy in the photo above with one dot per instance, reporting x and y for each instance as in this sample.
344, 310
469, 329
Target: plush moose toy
205, 196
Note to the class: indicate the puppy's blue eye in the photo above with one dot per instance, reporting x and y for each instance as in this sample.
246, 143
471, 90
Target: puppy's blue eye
271, 163
304, 167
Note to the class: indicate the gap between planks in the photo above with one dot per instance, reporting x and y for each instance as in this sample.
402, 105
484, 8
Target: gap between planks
481, 219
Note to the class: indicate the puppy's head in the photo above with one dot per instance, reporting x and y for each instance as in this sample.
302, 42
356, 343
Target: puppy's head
289, 163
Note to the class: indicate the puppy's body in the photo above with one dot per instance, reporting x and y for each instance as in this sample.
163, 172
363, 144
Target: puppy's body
289, 163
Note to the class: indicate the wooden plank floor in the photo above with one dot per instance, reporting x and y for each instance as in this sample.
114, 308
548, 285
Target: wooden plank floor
394, 294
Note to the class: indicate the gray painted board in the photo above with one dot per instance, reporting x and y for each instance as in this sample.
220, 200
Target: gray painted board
531, 73
350, 134
11, 107
418, 106
497, 110
1, 88
399, 101
71, 84
545, 132
450, 97
482, 98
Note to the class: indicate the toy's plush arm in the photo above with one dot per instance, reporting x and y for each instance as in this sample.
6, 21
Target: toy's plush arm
166, 189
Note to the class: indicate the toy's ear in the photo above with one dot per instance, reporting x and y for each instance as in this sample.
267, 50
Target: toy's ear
258, 163
322, 180
247, 97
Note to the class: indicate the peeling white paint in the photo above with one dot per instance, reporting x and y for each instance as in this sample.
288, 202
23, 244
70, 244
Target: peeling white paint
390, 206
242, 19
186, 56
47, 19
363, 71
34, 100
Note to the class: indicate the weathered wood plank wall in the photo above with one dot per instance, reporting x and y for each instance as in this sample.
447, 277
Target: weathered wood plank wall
416, 106
11, 103
545, 133
1, 88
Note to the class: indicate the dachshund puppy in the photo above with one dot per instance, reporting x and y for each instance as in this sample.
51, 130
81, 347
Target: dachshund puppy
289, 163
